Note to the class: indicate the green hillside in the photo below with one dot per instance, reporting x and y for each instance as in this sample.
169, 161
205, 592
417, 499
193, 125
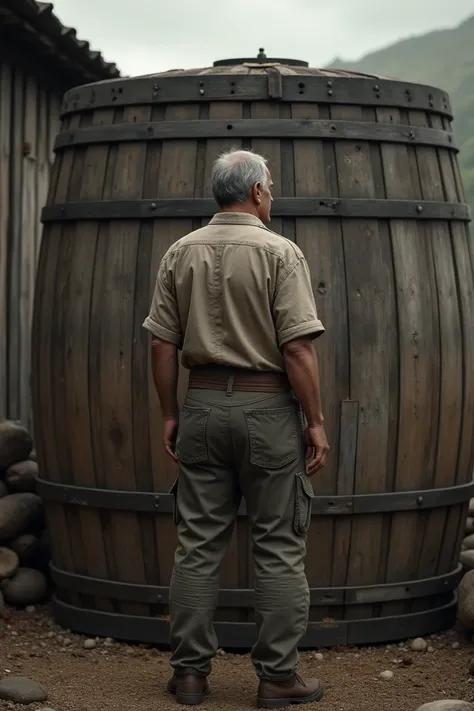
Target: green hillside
444, 59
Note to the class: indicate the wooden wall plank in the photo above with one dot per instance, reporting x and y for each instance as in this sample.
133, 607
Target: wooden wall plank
28, 243
16, 178
29, 122
5, 131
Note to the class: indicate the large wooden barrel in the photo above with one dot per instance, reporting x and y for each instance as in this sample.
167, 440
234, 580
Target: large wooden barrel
367, 184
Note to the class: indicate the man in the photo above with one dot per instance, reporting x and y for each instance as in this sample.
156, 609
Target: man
236, 298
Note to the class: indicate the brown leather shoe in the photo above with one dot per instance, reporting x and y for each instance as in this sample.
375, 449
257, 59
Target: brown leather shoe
189, 687
276, 694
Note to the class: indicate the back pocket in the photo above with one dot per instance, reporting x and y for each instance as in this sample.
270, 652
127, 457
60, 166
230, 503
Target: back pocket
273, 436
191, 444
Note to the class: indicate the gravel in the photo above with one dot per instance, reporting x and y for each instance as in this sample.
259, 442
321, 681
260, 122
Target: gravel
384, 678
419, 645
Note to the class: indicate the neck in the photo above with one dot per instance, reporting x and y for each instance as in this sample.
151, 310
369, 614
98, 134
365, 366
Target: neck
244, 207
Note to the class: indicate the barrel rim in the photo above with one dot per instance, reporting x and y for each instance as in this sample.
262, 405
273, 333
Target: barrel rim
321, 129
241, 635
142, 501
317, 206
244, 598
154, 90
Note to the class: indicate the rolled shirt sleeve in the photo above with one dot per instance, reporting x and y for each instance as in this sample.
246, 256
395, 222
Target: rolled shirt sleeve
163, 320
294, 308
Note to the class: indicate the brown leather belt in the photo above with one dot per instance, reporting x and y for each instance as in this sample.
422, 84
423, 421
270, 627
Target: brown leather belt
229, 379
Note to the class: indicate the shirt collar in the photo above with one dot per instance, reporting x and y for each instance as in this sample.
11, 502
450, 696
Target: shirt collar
236, 218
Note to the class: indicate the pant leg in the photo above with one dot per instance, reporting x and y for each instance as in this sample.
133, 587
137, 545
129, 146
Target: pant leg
207, 497
278, 495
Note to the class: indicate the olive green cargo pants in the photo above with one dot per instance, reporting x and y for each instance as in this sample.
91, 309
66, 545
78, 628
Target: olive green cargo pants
229, 445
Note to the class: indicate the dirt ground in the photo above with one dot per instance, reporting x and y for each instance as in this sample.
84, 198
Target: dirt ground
121, 677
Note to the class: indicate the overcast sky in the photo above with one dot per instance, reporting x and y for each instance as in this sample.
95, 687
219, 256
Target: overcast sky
147, 36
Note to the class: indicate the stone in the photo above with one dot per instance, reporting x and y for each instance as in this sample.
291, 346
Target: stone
319, 657
386, 675
469, 525
465, 600
90, 644
15, 443
455, 645
17, 511
21, 477
468, 542
447, 705
30, 609
27, 587
9, 563
467, 559
419, 645
21, 690
24, 546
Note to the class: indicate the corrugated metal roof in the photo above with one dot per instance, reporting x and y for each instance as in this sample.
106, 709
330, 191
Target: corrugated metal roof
35, 23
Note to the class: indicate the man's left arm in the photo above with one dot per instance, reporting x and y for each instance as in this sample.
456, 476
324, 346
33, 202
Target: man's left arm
164, 324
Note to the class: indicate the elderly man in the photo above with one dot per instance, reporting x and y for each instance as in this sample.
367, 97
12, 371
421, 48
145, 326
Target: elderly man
236, 299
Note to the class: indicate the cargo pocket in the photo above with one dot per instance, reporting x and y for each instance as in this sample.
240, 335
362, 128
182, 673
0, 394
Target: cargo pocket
191, 444
273, 436
303, 502
174, 494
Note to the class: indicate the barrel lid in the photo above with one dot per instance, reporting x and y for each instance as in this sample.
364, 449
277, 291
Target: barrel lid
261, 59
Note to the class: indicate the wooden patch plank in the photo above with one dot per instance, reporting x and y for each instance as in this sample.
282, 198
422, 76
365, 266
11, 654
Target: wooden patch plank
15, 239
165, 233
215, 146
371, 315
461, 241
321, 243
174, 178
235, 570
347, 457
442, 527
401, 551
88, 184
116, 359
269, 148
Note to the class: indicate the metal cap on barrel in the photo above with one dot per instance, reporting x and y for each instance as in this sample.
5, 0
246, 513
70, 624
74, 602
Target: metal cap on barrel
261, 58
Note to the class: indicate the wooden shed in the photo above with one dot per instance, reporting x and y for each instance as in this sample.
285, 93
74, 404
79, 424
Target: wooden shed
39, 60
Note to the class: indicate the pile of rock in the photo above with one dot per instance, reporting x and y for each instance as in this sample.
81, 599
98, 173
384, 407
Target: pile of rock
467, 549
24, 549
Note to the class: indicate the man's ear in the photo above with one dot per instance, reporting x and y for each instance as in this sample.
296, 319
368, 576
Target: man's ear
256, 193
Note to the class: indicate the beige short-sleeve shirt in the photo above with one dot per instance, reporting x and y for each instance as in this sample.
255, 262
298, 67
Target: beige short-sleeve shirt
233, 293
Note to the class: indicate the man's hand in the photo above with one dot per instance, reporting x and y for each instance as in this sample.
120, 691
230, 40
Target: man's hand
317, 449
170, 431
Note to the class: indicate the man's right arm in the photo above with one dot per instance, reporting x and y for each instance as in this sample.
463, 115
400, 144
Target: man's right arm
297, 325
303, 373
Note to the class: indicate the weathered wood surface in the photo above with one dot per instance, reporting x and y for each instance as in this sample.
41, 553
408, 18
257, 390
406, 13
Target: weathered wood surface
29, 122
396, 360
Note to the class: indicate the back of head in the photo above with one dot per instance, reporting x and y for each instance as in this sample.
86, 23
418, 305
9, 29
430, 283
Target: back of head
234, 174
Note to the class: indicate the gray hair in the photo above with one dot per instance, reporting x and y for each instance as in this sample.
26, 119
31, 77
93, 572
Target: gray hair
234, 174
